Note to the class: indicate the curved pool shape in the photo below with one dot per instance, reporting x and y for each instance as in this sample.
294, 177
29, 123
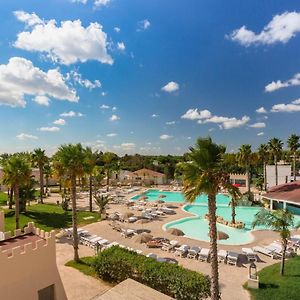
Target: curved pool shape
178, 197
197, 227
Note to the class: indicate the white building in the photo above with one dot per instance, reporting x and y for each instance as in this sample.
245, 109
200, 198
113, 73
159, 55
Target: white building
284, 174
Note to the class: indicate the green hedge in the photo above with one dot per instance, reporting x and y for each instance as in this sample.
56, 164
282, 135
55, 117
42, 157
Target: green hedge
117, 264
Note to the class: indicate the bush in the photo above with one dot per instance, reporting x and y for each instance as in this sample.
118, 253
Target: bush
116, 264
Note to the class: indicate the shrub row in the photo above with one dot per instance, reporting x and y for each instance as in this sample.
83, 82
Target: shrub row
116, 264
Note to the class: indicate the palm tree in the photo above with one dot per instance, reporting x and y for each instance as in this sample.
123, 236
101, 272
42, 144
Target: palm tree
235, 194
204, 174
40, 159
101, 201
48, 173
110, 163
275, 148
17, 173
244, 159
280, 220
263, 157
69, 162
293, 144
91, 160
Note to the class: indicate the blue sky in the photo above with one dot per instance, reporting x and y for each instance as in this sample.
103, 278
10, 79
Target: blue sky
147, 76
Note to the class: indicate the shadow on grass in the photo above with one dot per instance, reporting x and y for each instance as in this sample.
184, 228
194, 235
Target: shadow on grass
50, 219
268, 286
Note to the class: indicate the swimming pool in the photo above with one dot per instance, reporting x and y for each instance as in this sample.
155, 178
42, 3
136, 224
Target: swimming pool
178, 197
197, 227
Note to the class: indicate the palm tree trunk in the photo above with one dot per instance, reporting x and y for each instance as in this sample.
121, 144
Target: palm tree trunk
107, 180
265, 176
248, 179
41, 185
17, 206
284, 243
91, 192
11, 194
74, 219
215, 294
276, 170
294, 165
47, 184
232, 211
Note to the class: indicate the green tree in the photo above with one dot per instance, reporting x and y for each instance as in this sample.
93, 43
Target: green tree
293, 144
235, 194
70, 164
275, 149
203, 174
244, 159
16, 173
280, 220
39, 159
101, 201
48, 171
110, 161
263, 153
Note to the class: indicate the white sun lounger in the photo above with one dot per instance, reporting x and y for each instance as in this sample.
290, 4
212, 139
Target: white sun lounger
232, 258
152, 255
251, 256
204, 254
265, 251
193, 252
169, 246
222, 255
182, 250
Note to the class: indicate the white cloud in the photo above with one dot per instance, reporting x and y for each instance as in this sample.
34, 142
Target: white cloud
170, 87
260, 134
276, 85
79, 1
59, 122
195, 114
28, 19
103, 94
49, 129
111, 135
77, 79
121, 46
99, 3
128, 146
228, 123
285, 107
258, 125
67, 43
143, 25
42, 100
114, 108
280, 30
71, 113
297, 101
114, 118
25, 136
261, 110
165, 137
154, 116
117, 29
170, 123
20, 77
104, 106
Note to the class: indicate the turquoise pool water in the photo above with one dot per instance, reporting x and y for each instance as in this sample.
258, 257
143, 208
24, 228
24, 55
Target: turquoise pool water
178, 197
197, 227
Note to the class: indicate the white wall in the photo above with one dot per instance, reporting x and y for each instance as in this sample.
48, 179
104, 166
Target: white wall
284, 173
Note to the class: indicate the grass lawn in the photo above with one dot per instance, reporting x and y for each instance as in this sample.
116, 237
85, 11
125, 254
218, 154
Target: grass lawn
47, 217
273, 286
3, 198
84, 266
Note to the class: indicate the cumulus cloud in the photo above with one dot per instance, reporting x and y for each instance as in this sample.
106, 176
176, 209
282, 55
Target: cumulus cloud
77, 79
165, 137
121, 46
291, 107
114, 108
111, 135
228, 123
67, 43
260, 134
49, 129
276, 85
128, 146
154, 116
41, 100
25, 136
104, 106
258, 125
103, 94
79, 1
170, 87
117, 29
195, 114
280, 30
59, 122
28, 19
20, 77
114, 118
71, 113
170, 123
261, 110
100, 3
143, 25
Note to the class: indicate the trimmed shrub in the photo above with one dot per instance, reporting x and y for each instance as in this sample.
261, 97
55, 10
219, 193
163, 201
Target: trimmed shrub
116, 264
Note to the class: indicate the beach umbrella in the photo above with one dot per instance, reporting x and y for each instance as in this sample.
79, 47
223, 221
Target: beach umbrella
175, 231
143, 238
221, 235
127, 215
